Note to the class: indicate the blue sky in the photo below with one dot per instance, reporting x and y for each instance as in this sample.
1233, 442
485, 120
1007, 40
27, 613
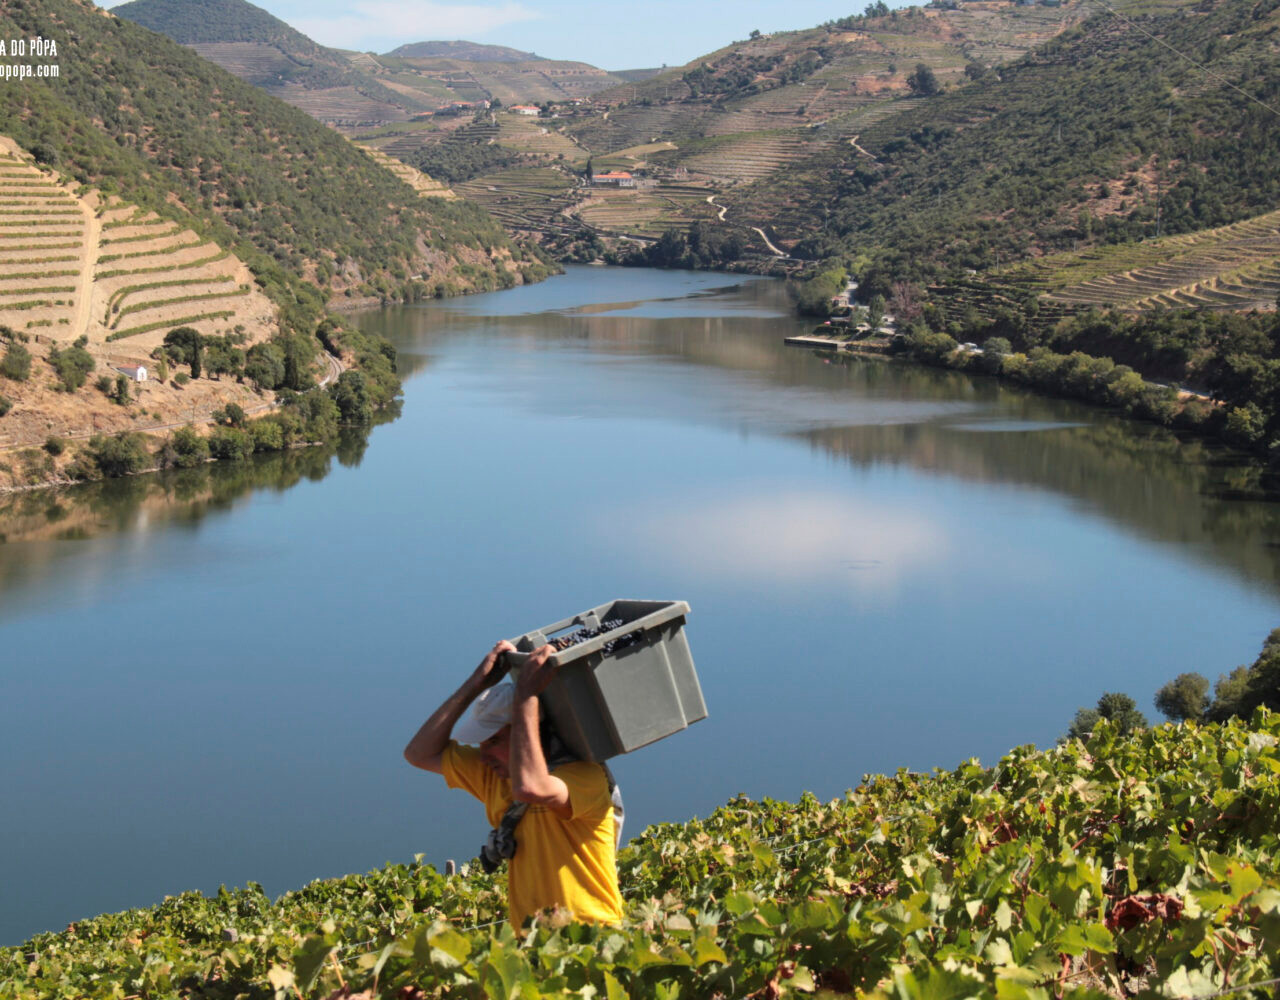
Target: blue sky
607, 33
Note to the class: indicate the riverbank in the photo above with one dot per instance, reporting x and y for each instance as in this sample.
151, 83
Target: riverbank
1006, 881
1093, 380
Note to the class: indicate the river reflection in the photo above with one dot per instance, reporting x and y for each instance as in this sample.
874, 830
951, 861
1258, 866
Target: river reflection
34, 524
209, 676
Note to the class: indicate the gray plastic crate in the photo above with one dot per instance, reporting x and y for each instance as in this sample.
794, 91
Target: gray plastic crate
605, 704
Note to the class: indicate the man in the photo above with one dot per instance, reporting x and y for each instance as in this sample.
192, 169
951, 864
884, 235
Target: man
566, 838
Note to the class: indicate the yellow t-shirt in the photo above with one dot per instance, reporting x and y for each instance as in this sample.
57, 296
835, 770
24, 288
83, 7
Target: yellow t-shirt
565, 862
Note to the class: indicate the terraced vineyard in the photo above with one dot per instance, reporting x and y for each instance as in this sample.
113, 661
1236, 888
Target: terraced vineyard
71, 266
754, 155
151, 275
1233, 267
525, 198
648, 212
539, 137
43, 231
427, 186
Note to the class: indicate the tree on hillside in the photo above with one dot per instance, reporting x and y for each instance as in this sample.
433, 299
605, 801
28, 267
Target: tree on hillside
73, 364
1117, 708
1235, 695
1185, 698
923, 81
264, 366
16, 364
185, 346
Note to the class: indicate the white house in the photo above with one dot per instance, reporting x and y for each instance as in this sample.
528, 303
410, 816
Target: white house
137, 373
619, 178
525, 109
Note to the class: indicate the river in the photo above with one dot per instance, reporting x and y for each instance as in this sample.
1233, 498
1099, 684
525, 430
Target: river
209, 677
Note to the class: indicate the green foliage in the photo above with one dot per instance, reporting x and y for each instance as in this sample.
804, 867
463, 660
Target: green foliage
224, 356
813, 297
231, 443
55, 445
923, 81
71, 364
1127, 865
6, 404
1185, 698
264, 365
317, 415
461, 157
701, 246
189, 448
1234, 356
232, 415
121, 454
351, 395
16, 364
1119, 710
1236, 695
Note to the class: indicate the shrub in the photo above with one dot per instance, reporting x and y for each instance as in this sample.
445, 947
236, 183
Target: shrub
268, 435
120, 455
72, 365
351, 395
230, 443
16, 364
264, 366
182, 378
5, 405
104, 384
232, 414
55, 445
189, 447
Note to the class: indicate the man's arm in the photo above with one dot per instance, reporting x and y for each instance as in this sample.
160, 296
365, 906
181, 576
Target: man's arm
426, 749
530, 780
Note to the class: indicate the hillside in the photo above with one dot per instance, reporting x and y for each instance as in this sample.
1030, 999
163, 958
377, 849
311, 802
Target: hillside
359, 89
1104, 135
761, 112
150, 190
174, 134
263, 50
1117, 867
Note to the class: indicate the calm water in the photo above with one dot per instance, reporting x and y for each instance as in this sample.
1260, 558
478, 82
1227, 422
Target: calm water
209, 678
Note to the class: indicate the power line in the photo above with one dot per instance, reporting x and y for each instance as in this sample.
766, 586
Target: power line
1200, 66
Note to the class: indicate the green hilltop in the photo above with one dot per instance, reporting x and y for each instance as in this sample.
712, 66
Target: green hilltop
193, 21
469, 51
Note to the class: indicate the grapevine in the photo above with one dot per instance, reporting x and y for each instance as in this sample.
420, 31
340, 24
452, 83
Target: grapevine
1141, 865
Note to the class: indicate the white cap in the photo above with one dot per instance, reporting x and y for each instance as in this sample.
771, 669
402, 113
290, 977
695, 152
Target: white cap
489, 713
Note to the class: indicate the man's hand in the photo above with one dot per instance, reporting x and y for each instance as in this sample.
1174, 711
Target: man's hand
537, 672
493, 667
